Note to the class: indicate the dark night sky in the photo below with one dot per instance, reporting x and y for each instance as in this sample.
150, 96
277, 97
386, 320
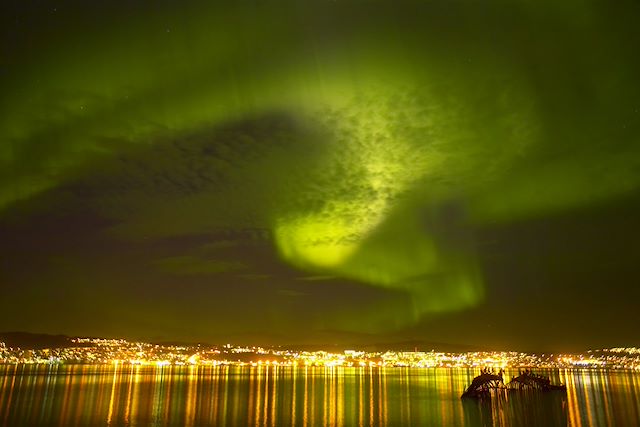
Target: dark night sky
322, 172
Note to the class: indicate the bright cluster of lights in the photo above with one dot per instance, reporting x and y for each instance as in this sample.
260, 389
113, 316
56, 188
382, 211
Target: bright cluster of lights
117, 351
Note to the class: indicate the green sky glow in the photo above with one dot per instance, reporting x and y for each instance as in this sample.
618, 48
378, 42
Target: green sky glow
360, 147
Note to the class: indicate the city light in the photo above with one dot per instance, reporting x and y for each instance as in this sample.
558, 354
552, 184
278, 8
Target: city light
96, 351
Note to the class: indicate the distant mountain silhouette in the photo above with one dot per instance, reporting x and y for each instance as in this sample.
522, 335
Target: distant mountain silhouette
31, 341
326, 340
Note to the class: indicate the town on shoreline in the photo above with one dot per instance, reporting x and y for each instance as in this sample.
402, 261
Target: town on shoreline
101, 351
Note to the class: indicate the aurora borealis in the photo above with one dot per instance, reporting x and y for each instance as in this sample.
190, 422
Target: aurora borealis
461, 172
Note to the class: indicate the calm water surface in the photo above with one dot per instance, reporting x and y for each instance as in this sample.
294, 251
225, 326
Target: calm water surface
283, 396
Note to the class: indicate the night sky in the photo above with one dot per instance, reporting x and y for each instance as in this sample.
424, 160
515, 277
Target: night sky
349, 172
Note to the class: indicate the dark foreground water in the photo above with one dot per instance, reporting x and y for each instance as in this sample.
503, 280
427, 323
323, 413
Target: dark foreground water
283, 396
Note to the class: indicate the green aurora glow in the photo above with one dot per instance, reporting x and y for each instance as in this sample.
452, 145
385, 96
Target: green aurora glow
397, 131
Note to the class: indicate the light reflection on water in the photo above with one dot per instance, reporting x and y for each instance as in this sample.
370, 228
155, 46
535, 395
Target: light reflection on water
284, 396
